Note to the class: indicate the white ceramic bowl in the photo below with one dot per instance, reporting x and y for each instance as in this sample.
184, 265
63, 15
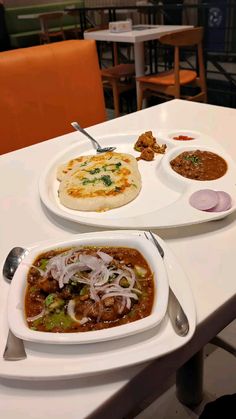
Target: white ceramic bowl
16, 316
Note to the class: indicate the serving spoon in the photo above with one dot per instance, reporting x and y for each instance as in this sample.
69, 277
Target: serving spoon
96, 144
14, 349
176, 313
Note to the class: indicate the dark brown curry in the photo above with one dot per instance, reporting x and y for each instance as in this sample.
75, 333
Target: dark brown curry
199, 165
88, 288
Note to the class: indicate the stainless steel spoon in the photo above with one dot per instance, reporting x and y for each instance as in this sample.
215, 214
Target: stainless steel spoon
176, 313
14, 349
96, 144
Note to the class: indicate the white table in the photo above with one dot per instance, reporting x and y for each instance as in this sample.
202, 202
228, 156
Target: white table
136, 37
206, 252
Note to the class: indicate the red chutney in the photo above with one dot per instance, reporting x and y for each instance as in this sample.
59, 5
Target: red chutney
183, 138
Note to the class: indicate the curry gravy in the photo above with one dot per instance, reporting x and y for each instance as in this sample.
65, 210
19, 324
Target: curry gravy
199, 165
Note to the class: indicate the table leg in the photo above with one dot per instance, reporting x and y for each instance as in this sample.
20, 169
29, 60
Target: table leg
139, 61
189, 381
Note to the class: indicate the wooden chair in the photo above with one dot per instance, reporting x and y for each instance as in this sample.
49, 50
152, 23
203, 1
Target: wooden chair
44, 88
76, 32
48, 23
169, 84
119, 77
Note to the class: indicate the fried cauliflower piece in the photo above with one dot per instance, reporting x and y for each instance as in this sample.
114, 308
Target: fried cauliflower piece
160, 149
148, 146
145, 140
147, 154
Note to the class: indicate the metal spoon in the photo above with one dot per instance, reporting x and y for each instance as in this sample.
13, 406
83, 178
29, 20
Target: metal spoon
97, 146
14, 349
176, 313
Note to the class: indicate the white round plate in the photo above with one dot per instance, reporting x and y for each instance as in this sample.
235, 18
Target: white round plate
164, 197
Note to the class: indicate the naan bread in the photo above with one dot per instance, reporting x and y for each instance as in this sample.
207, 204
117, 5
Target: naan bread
99, 182
66, 168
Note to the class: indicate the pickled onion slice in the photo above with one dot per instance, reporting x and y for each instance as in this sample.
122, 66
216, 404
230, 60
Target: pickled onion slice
204, 199
224, 202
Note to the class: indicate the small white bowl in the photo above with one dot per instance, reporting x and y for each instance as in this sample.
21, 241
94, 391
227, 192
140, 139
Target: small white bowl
16, 315
177, 179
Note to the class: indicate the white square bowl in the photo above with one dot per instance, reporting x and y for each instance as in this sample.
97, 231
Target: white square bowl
16, 315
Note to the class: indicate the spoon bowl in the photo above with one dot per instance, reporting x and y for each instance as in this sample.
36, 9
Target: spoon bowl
14, 349
96, 144
13, 259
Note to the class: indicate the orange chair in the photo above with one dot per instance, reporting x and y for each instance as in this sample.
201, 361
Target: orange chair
168, 84
44, 88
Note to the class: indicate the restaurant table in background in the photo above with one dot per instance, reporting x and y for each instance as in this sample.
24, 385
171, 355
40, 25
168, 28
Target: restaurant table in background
205, 251
138, 35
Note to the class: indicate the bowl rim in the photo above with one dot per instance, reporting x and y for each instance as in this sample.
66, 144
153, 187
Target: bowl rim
16, 317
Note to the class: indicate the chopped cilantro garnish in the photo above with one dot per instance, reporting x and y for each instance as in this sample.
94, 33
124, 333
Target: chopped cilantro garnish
106, 180
94, 171
87, 181
193, 159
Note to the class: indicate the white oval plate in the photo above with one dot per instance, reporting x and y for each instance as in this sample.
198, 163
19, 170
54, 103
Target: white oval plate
16, 314
164, 197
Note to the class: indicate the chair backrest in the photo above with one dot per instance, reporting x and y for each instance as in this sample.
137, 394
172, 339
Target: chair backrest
49, 21
44, 88
184, 38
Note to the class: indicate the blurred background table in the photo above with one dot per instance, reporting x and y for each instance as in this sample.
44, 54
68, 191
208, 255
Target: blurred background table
137, 37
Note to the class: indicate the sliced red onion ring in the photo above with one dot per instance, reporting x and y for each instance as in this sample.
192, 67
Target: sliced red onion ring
224, 202
204, 199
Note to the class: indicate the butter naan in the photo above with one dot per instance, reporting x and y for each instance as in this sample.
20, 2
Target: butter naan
99, 182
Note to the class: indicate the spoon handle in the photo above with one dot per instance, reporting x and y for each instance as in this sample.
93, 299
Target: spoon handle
14, 350
176, 313
77, 127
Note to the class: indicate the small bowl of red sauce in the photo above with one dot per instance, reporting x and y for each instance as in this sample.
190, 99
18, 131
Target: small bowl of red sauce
183, 135
183, 138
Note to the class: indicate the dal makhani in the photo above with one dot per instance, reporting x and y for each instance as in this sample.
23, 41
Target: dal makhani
199, 165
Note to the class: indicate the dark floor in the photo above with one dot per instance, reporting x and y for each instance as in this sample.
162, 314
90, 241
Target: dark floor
219, 380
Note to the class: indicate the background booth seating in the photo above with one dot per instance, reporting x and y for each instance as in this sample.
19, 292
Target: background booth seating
46, 87
25, 32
